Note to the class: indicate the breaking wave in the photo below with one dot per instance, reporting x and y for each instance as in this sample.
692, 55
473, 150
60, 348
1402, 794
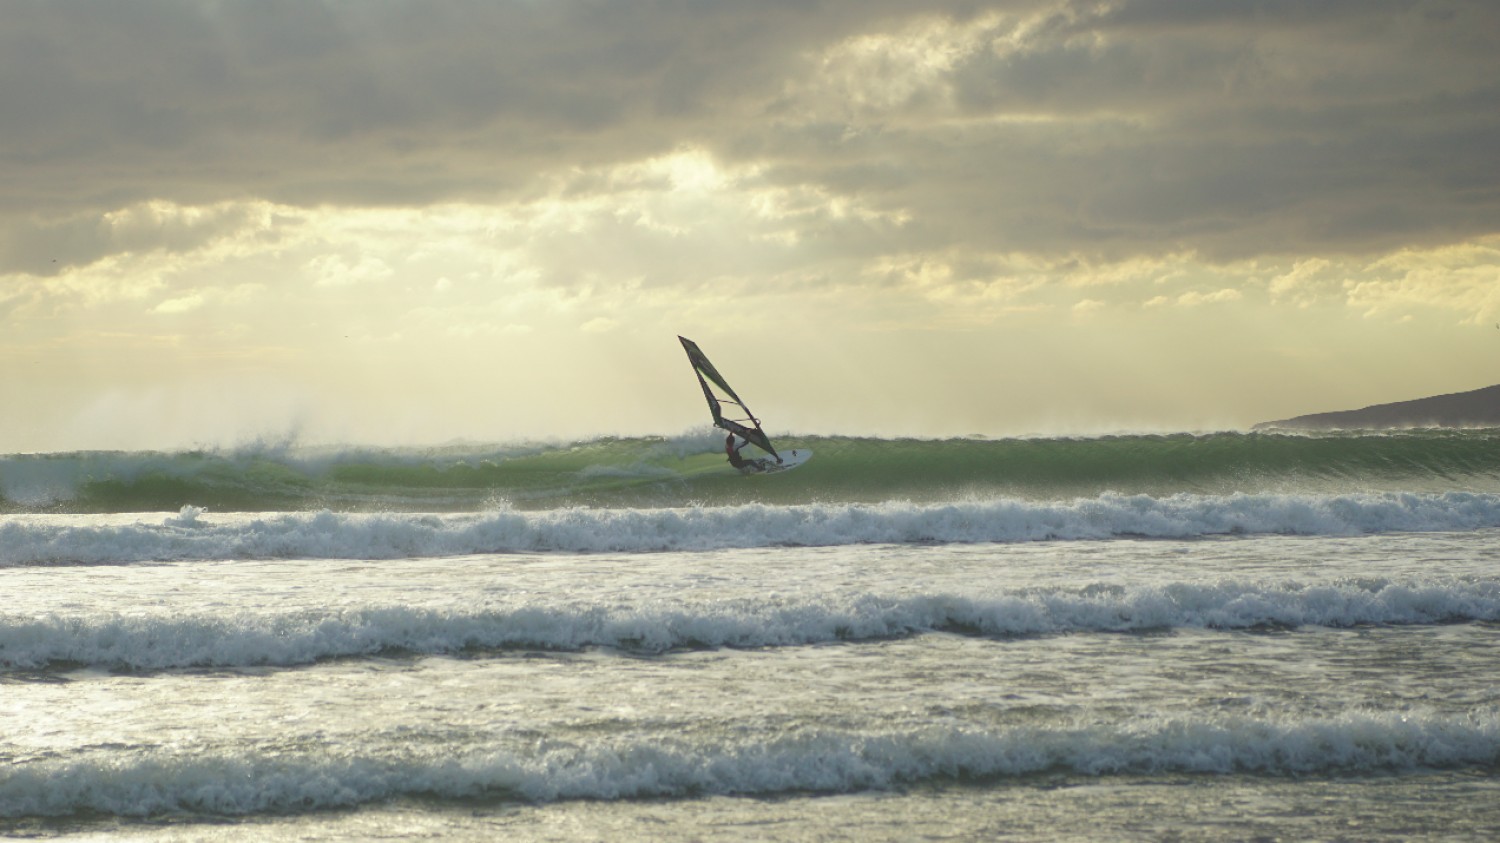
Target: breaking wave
810, 760
248, 639
676, 471
194, 534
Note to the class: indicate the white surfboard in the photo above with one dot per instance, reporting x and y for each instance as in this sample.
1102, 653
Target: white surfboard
789, 460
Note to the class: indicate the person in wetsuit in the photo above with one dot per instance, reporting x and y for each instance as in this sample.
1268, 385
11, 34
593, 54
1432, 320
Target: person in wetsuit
733, 451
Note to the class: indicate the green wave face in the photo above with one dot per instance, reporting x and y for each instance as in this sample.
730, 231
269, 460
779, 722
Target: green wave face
688, 470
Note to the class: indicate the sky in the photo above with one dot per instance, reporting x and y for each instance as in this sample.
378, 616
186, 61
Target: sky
407, 223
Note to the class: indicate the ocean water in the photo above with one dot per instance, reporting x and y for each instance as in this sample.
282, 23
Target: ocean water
1196, 637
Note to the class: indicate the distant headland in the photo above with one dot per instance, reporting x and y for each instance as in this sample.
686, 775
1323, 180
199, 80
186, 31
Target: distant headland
1478, 408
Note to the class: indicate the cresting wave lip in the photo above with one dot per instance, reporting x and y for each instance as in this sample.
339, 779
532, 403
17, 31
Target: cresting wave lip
233, 639
192, 535
810, 761
673, 471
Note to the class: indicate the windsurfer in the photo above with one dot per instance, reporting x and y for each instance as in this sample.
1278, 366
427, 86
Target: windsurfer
733, 451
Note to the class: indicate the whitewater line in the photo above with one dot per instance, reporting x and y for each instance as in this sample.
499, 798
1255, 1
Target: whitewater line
249, 639
195, 535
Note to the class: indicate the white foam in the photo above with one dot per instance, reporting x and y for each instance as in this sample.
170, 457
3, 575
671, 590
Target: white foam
796, 761
243, 639
33, 540
186, 517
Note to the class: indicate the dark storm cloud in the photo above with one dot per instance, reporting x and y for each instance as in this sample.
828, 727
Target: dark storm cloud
1233, 129
353, 102
49, 247
1140, 126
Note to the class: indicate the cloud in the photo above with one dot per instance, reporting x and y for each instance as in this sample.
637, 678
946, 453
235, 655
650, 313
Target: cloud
1141, 127
1464, 279
1226, 134
363, 198
386, 103
181, 304
335, 270
1306, 282
48, 247
1196, 299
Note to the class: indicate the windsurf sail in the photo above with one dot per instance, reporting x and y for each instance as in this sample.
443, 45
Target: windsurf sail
729, 412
